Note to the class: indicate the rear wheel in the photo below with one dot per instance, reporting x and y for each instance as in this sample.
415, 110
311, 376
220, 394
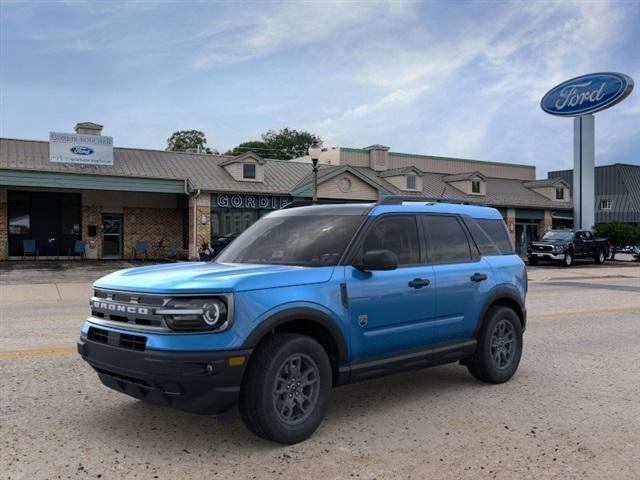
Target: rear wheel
499, 346
286, 388
600, 257
567, 261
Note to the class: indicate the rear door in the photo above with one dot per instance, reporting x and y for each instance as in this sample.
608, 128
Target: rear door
462, 278
391, 311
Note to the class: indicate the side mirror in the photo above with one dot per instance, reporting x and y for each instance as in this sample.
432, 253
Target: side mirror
377, 260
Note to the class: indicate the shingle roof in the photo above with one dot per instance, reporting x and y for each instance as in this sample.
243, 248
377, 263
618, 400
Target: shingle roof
393, 172
202, 170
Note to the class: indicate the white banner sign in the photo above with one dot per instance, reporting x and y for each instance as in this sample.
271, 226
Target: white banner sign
77, 149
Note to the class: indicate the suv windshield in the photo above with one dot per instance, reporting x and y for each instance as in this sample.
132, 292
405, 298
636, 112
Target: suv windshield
558, 235
305, 240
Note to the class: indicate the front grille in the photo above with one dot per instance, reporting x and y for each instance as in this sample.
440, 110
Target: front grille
122, 340
543, 248
125, 378
133, 309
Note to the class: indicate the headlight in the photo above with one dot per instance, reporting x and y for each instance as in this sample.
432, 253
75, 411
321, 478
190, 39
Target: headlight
196, 314
558, 248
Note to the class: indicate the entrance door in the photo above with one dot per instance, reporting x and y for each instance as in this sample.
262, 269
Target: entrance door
111, 235
525, 233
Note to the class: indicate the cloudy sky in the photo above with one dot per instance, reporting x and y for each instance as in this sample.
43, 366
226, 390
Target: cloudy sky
449, 78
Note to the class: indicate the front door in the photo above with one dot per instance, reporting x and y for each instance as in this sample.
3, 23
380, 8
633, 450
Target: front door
525, 234
111, 235
390, 311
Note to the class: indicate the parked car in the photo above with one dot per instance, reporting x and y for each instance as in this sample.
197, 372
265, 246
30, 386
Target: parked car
564, 246
309, 298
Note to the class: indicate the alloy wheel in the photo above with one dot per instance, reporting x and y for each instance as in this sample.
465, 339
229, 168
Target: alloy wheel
296, 388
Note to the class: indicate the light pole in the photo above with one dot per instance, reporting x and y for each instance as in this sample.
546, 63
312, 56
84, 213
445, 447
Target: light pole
314, 153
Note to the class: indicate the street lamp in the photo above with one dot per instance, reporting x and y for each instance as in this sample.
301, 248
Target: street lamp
314, 152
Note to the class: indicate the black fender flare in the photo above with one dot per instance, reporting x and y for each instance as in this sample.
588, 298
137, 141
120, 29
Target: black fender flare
502, 293
296, 314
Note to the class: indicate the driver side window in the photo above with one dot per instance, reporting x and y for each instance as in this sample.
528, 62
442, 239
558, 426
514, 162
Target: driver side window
398, 234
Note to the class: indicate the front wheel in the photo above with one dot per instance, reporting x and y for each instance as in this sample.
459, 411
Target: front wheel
286, 388
533, 260
600, 257
499, 346
567, 261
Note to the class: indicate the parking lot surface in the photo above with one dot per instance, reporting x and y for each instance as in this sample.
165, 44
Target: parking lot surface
571, 411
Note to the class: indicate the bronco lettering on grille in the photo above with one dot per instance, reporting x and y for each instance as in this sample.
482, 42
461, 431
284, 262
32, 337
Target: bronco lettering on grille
115, 307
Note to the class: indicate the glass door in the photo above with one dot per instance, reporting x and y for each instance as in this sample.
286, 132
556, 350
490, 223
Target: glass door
111, 235
525, 233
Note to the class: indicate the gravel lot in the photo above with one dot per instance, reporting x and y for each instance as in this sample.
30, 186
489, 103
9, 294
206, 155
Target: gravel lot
571, 411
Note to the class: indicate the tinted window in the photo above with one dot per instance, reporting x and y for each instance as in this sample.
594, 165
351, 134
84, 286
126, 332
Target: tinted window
497, 232
398, 234
484, 243
249, 170
446, 240
305, 240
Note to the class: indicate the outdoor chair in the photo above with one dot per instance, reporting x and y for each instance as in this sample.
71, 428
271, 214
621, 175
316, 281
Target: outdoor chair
78, 249
29, 248
141, 248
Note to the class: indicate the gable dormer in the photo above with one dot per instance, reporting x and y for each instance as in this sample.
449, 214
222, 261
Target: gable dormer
407, 179
247, 167
553, 188
473, 183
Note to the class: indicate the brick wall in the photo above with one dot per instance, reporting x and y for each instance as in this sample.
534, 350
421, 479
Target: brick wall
202, 206
4, 225
152, 225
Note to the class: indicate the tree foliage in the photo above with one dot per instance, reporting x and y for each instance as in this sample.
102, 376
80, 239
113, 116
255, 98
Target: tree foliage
188, 141
283, 144
619, 234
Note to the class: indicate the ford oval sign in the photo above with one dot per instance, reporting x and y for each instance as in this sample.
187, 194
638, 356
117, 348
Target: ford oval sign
78, 150
587, 94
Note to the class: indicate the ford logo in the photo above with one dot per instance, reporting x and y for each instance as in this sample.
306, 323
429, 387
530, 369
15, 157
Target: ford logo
587, 94
78, 150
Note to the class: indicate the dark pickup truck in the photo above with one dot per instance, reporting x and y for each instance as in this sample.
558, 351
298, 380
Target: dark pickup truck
564, 246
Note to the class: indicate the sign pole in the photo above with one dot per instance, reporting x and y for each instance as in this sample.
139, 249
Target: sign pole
584, 172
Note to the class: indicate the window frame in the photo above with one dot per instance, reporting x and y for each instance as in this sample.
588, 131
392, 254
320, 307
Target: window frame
560, 190
474, 252
479, 184
414, 177
369, 224
244, 171
609, 204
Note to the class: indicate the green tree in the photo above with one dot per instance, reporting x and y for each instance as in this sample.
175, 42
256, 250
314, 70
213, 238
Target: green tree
188, 141
283, 144
255, 146
619, 234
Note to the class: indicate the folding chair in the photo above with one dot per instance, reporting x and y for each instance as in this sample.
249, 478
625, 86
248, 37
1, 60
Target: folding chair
141, 248
78, 249
29, 248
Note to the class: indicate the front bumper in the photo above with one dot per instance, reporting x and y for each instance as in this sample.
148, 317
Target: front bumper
547, 255
197, 382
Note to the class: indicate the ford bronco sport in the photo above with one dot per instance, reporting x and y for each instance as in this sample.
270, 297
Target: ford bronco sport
309, 298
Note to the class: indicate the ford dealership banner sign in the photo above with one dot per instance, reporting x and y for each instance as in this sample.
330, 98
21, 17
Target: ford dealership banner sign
80, 149
587, 94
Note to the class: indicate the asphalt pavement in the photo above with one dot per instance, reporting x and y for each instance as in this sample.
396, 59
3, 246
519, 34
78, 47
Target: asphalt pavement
571, 411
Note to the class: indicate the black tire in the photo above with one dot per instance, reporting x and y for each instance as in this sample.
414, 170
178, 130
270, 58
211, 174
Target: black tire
567, 261
272, 367
533, 260
495, 361
600, 257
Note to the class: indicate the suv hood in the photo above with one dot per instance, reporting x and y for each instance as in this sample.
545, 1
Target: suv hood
207, 277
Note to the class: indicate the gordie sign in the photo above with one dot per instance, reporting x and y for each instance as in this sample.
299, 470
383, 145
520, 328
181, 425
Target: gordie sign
587, 94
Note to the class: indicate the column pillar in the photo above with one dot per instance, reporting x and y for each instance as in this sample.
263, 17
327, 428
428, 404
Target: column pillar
199, 222
583, 172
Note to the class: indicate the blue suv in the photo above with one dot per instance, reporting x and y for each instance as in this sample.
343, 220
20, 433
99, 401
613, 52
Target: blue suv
309, 298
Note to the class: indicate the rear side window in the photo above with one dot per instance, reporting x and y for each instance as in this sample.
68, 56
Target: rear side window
497, 233
396, 233
446, 240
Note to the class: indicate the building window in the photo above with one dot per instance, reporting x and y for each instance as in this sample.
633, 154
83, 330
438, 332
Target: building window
19, 213
605, 204
344, 185
560, 193
412, 182
475, 186
249, 170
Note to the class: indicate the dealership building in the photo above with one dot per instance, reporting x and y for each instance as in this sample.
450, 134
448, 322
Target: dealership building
78, 187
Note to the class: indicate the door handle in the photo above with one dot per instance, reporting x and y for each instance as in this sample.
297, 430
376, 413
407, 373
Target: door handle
419, 283
478, 277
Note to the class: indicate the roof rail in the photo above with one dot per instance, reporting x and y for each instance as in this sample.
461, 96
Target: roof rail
307, 203
400, 199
